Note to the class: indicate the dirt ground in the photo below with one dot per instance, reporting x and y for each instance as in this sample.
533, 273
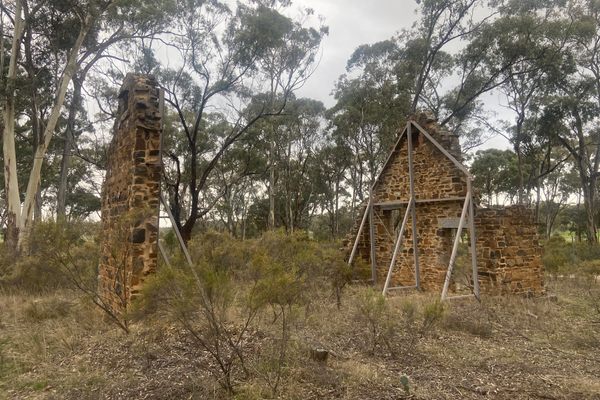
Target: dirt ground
58, 346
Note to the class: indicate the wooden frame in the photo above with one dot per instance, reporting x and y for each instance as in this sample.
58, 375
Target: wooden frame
397, 246
467, 218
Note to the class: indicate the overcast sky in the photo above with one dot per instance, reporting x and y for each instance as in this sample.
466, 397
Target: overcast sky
355, 22
352, 23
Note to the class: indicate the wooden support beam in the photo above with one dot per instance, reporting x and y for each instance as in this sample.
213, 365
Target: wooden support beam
163, 253
463, 216
396, 248
462, 296
372, 239
186, 253
360, 229
395, 204
472, 234
415, 236
402, 287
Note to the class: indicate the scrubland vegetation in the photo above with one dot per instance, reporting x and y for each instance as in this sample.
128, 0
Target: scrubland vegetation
283, 317
266, 310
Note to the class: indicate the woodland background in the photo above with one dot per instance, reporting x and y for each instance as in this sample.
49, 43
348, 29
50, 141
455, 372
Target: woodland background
264, 183
245, 154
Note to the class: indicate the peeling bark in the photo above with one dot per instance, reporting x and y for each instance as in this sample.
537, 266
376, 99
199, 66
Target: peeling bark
11, 184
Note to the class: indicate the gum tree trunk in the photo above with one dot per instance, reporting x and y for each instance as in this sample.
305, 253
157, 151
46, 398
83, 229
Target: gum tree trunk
35, 175
11, 184
61, 198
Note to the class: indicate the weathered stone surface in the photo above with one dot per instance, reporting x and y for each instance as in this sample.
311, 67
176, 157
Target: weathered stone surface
509, 256
130, 197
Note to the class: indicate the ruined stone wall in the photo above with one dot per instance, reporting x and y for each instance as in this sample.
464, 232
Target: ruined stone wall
436, 177
509, 265
509, 255
131, 193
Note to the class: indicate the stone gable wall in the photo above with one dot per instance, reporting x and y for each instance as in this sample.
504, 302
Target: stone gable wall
513, 265
436, 177
131, 194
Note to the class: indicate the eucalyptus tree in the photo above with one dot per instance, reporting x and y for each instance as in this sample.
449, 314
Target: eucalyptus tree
495, 172
572, 116
237, 182
556, 188
11, 185
297, 140
572, 105
75, 34
237, 65
333, 160
443, 64
368, 113
529, 39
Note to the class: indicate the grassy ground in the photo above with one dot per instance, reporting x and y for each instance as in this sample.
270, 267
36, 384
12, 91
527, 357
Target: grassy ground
58, 346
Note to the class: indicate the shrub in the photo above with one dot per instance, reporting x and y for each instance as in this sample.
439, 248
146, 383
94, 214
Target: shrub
561, 257
433, 313
218, 301
556, 254
52, 244
202, 303
372, 311
590, 268
320, 266
476, 323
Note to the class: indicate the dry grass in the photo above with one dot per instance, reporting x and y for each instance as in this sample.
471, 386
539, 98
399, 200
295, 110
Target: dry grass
57, 346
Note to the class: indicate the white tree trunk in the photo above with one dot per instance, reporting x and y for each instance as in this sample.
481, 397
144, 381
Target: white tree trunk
35, 177
11, 183
271, 218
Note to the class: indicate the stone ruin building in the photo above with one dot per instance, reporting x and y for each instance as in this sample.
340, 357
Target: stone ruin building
131, 194
508, 253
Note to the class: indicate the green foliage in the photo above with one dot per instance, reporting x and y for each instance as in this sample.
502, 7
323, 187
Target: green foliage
591, 268
433, 313
556, 254
231, 284
495, 173
397, 326
44, 268
276, 284
220, 250
373, 313
405, 382
561, 257
253, 55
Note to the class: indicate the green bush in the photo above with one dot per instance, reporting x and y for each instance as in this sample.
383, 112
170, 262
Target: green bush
220, 299
561, 257
54, 247
555, 254
433, 313
590, 267
373, 313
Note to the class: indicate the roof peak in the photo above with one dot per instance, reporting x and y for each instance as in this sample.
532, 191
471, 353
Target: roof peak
449, 140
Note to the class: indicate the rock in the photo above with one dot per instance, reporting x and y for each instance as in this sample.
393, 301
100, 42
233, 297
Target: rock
319, 355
